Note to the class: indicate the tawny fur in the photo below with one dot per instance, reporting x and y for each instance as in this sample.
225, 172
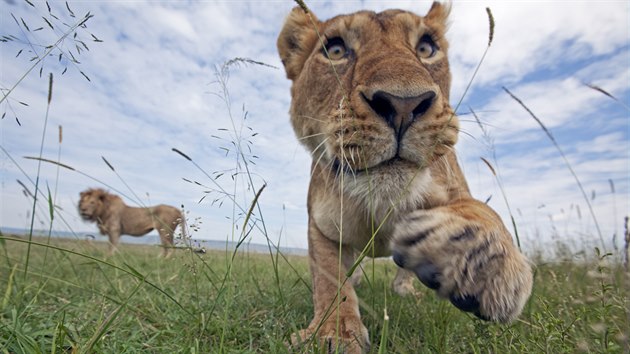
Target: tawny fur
390, 180
114, 218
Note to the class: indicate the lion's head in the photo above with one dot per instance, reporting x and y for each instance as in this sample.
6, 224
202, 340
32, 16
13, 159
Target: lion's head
370, 90
93, 203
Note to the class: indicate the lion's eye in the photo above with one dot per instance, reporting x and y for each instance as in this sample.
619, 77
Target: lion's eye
426, 47
336, 48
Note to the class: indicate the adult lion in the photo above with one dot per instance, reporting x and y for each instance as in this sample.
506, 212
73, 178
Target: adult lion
114, 218
370, 101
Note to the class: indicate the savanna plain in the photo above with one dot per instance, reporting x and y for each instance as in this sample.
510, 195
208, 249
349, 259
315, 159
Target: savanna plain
69, 298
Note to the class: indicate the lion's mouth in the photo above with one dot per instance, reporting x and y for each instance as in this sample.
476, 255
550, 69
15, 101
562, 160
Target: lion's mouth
394, 162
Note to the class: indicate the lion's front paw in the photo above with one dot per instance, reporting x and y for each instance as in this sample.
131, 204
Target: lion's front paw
350, 337
474, 263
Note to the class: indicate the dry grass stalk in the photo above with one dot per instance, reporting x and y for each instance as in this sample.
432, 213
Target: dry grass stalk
626, 247
491, 23
566, 161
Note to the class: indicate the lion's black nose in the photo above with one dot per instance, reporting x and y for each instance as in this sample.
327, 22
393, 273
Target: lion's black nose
400, 112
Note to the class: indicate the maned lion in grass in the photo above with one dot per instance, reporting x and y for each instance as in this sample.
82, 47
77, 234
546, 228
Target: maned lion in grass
370, 101
114, 218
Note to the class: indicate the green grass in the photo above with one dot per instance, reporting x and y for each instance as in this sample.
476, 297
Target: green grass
137, 302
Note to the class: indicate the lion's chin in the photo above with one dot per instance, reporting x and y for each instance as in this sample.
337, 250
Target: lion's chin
86, 217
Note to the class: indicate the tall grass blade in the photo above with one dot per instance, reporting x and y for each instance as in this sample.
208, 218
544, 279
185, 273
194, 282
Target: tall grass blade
51, 208
58, 160
111, 167
67, 167
108, 164
491, 25
50, 88
626, 247
505, 199
9, 290
302, 4
606, 93
566, 161
494, 173
39, 165
182, 154
49, 161
248, 216
59, 334
382, 348
108, 321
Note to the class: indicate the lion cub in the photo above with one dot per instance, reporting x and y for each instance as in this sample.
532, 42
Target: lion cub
370, 101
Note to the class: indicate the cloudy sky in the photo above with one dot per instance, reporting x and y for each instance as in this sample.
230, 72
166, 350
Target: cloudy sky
155, 84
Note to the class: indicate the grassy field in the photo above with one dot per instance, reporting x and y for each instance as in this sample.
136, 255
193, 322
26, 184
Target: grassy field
72, 299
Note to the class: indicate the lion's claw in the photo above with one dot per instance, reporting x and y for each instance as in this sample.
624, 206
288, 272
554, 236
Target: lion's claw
428, 274
466, 303
469, 303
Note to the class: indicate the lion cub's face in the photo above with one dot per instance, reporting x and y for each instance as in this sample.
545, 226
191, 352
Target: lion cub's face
90, 203
372, 92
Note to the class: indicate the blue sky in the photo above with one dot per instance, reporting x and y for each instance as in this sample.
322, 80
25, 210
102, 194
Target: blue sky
153, 87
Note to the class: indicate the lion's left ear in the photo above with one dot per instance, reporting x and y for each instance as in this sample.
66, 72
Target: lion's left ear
296, 41
438, 13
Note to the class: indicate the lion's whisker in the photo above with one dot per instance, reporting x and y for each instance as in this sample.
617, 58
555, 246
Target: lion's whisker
318, 161
311, 136
320, 145
313, 118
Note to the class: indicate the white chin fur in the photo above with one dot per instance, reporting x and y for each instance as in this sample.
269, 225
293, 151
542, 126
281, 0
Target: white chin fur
400, 184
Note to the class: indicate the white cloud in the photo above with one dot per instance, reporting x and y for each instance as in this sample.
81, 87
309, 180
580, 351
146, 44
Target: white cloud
175, 19
534, 36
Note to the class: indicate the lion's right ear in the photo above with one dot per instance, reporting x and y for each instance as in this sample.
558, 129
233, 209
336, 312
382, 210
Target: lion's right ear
296, 40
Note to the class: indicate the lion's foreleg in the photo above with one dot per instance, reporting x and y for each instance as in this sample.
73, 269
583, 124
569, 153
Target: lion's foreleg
114, 238
166, 232
348, 259
337, 321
